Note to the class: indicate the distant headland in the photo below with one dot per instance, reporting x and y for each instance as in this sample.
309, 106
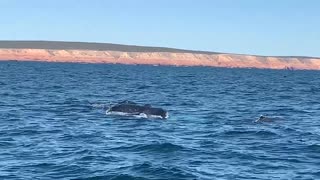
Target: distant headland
83, 52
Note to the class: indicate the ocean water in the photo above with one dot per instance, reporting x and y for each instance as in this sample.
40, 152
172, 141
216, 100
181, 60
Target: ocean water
52, 125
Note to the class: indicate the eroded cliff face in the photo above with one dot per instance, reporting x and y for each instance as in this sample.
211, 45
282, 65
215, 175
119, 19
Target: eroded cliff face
160, 58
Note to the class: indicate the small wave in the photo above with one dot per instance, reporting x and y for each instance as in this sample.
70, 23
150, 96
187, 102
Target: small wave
126, 176
156, 147
144, 87
152, 171
266, 133
119, 176
314, 147
248, 132
6, 144
25, 131
56, 87
95, 158
163, 147
139, 116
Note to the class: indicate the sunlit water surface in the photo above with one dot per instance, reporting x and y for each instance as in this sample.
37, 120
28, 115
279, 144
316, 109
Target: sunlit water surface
51, 125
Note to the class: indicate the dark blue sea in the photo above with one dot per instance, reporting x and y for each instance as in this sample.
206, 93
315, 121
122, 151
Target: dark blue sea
53, 125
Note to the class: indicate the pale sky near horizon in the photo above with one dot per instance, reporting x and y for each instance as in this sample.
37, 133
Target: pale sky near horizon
271, 27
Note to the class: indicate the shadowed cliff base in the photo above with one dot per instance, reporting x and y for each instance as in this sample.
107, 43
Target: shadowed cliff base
54, 51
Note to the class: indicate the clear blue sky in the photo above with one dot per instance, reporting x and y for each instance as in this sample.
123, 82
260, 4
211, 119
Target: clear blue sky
265, 27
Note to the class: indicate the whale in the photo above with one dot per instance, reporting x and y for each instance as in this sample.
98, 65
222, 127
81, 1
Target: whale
264, 118
129, 108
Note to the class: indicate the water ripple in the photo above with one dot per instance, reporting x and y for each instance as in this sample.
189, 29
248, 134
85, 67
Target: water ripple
50, 130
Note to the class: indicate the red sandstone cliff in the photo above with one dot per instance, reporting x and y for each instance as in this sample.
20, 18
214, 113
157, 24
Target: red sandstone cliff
153, 56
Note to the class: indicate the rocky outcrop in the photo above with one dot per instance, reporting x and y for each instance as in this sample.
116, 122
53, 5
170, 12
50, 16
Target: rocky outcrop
178, 58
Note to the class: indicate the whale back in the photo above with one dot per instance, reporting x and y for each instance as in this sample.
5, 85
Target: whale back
132, 108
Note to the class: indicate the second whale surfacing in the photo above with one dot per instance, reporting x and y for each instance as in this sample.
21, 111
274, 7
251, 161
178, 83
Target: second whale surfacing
129, 108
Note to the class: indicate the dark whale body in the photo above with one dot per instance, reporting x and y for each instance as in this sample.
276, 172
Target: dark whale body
131, 108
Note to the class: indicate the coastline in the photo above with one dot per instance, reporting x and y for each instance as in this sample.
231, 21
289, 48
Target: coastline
150, 56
